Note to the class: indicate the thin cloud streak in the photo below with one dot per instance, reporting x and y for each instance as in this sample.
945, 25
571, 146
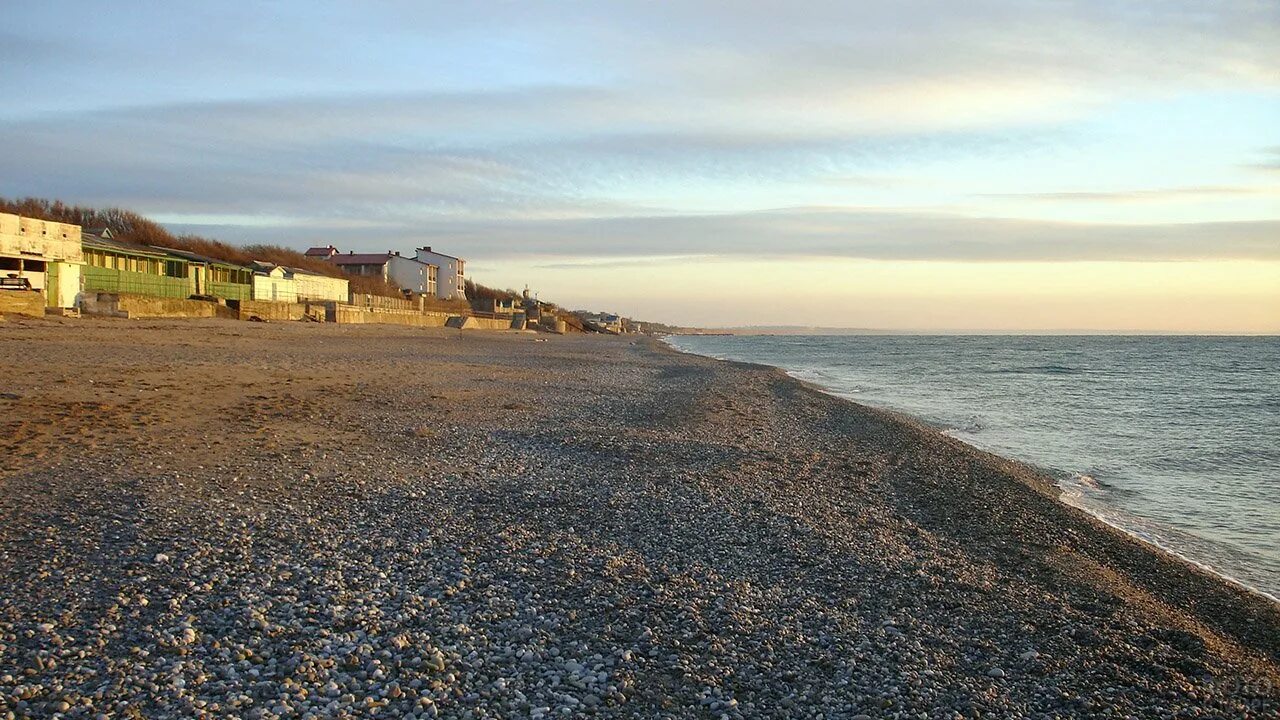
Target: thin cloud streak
315, 157
824, 232
625, 134
1156, 195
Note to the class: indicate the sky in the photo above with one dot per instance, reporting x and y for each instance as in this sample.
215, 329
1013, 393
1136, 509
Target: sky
888, 165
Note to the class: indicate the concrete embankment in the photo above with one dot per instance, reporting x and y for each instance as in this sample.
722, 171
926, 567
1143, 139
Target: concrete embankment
126, 305
383, 311
22, 302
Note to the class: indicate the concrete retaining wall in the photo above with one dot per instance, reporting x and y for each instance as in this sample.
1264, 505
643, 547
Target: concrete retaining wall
351, 315
267, 310
144, 306
136, 306
379, 302
22, 302
475, 323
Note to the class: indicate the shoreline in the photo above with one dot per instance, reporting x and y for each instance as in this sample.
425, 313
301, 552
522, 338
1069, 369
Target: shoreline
1030, 476
1048, 473
227, 518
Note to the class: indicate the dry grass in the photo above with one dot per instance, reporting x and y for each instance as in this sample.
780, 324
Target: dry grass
476, 291
368, 284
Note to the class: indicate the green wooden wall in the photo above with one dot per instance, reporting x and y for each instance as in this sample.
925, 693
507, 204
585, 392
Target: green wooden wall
126, 281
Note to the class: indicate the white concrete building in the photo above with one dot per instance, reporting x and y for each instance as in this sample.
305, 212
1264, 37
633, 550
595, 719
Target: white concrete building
404, 272
278, 283
270, 283
451, 278
311, 286
47, 254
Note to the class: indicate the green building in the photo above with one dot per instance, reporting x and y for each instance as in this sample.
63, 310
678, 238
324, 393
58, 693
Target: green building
218, 278
114, 266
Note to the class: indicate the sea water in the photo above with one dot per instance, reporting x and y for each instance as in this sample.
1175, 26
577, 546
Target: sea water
1175, 440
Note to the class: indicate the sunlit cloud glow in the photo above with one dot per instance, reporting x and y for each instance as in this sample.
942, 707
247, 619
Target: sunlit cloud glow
617, 138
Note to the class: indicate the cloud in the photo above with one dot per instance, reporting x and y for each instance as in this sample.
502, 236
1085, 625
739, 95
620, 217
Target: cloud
832, 65
625, 262
812, 233
1271, 164
1162, 194
405, 157
612, 129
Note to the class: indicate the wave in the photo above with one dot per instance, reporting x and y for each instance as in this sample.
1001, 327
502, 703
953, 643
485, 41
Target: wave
1035, 370
925, 387
1078, 491
972, 426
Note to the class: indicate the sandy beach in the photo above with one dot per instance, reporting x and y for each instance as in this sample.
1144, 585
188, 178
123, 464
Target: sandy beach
220, 519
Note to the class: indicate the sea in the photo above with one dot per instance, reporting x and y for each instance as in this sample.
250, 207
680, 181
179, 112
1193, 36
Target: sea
1175, 440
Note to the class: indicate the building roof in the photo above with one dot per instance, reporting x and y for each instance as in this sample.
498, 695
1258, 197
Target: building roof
373, 259
437, 252
321, 251
197, 257
310, 273
266, 268
361, 259
103, 243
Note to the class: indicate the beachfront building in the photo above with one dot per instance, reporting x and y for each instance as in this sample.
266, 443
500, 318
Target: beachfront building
319, 288
321, 253
497, 306
216, 278
270, 283
45, 254
278, 283
118, 267
451, 278
405, 273
605, 322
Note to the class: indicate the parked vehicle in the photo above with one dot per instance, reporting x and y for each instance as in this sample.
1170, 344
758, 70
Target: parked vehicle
13, 282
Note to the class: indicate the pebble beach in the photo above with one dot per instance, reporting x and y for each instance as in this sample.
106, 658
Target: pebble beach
212, 519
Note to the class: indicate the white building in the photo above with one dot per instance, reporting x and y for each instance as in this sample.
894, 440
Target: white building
318, 287
278, 283
405, 273
270, 283
47, 254
451, 278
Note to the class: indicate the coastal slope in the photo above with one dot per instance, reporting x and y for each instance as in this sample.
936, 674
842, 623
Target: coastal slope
212, 519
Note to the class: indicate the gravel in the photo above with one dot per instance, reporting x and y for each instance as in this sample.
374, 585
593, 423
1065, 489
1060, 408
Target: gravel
209, 519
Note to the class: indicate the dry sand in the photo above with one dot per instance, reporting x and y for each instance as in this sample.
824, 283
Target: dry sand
221, 519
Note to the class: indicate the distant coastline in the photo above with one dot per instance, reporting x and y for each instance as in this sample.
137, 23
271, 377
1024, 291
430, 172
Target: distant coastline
819, 330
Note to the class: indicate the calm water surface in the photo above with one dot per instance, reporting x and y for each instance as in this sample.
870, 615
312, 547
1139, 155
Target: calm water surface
1174, 439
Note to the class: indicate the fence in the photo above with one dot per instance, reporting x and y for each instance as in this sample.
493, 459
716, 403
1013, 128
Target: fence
98, 279
382, 302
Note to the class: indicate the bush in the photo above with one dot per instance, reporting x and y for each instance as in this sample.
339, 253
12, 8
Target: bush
476, 291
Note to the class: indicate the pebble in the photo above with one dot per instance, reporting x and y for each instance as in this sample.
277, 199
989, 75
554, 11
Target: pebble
650, 536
